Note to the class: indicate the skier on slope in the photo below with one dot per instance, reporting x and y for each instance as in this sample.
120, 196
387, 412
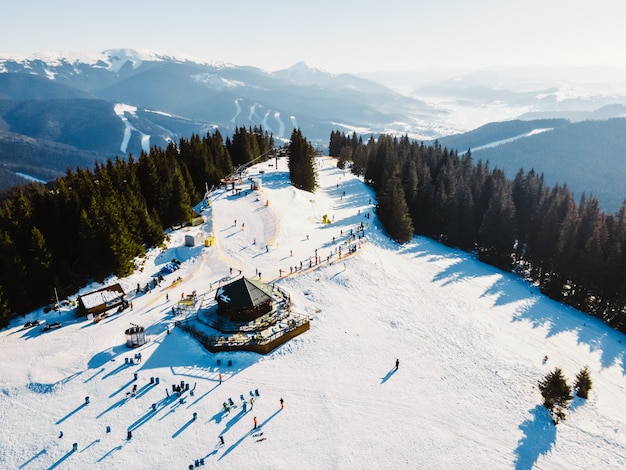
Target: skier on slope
397, 363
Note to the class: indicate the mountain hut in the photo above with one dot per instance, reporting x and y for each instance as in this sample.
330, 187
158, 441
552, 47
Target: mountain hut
101, 300
244, 300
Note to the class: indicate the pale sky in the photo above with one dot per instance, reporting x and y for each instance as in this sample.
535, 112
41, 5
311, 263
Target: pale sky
334, 35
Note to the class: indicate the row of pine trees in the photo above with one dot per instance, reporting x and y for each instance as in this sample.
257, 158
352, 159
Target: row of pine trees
573, 251
92, 223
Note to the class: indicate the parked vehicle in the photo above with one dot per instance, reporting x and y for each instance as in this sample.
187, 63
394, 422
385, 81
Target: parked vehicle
31, 324
52, 326
170, 267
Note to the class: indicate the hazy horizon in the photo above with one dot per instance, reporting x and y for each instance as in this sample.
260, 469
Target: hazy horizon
336, 37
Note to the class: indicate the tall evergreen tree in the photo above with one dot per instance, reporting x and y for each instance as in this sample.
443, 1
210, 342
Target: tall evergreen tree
302, 172
393, 211
556, 394
5, 311
497, 231
345, 156
583, 383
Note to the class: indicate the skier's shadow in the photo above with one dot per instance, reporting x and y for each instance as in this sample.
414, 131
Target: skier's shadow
61, 460
249, 433
389, 375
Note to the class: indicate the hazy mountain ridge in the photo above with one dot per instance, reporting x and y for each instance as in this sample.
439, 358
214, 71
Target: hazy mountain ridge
588, 156
167, 97
189, 96
38, 158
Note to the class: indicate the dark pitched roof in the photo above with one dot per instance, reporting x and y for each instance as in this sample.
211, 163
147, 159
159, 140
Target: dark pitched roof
244, 293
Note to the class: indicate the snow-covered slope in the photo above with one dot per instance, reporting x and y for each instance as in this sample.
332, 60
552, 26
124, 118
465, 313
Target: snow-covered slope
470, 339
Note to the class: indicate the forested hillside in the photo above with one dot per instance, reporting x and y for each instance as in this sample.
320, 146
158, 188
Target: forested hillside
90, 224
574, 252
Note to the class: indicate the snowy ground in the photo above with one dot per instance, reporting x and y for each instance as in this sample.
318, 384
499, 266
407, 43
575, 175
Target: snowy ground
470, 340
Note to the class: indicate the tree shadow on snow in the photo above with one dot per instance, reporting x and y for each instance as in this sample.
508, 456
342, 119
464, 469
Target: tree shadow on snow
530, 304
576, 403
276, 179
590, 331
539, 438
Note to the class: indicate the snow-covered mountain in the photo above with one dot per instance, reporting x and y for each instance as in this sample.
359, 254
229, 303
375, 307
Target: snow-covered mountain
60, 110
71, 100
472, 343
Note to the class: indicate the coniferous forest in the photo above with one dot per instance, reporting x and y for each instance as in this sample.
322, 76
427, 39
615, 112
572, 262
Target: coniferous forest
572, 251
92, 223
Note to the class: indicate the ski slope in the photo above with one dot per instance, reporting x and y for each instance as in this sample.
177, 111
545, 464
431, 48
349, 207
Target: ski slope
470, 340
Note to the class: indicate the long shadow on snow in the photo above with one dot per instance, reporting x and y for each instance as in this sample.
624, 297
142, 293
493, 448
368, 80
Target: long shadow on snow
234, 420
504, 286
533, 307
590, 331
249, 433
71, 413
388, 376
182, 428
117, 404
199, 398
187, 358
61, 460
109, 453
33, 458
350, 194
539, 438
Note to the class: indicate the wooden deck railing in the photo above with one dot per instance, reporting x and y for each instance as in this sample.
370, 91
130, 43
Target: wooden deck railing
242, 342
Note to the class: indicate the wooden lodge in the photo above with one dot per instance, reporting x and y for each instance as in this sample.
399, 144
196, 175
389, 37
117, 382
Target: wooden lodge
248, 315
244, 300
101, 300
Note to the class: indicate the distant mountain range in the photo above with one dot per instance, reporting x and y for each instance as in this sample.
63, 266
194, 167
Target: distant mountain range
58, 111
70, 110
